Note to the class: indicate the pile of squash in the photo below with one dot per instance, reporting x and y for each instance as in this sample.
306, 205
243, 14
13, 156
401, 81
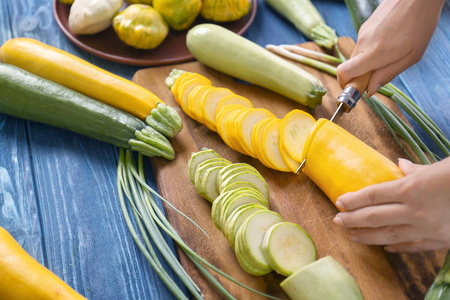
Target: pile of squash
144, 24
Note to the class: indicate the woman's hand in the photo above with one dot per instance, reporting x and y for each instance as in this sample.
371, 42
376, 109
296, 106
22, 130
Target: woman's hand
394, 38
411, 214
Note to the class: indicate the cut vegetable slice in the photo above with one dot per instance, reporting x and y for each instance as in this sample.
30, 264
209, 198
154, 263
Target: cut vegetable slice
197, 158
288, 160
184, 92
203, 167
231, 100
238, 184
234, 169
221, 118
270, 145
208, 183
193, 102
287, 248
252, 234
257, 136
237, 218
244, 261
216, 208
209, 103
294, 130
246, 124
256, 179
235, 201
176, 85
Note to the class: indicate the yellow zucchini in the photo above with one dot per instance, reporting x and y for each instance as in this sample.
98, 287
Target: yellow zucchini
22, 277
79, 75
270, 145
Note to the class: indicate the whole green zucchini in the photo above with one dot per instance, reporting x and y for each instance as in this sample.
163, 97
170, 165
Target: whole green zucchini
27, 96
232, 54
306, 18
361, 10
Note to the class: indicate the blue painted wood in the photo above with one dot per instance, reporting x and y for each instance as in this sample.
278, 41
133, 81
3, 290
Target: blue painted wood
58, 189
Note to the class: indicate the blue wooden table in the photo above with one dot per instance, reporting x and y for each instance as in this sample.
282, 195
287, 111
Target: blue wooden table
58, 189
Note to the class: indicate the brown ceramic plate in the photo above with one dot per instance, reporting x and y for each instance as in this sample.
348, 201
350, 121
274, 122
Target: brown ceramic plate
107, 45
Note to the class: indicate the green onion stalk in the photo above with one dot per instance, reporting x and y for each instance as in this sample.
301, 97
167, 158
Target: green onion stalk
394, 123
150, 221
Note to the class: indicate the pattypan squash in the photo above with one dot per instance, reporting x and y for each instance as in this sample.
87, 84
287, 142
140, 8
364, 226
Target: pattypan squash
179, 14
225, 10
92, 16
141, 26
148, 2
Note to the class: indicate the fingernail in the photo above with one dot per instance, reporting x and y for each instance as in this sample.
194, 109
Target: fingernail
373, 90
338, 221
353, 237
405, 160
339, 205
390, 249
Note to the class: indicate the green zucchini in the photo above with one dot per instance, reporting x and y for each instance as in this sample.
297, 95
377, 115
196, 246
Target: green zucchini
306, 18
361, 10
27, 96
232, 54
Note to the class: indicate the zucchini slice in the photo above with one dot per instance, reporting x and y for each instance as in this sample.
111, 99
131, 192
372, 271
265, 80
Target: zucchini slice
197, 158
287, 248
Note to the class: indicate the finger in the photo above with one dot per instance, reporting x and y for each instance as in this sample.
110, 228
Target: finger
385, 235
352, 68
374, 216
381, 193
416, 246
386, 74
407, 167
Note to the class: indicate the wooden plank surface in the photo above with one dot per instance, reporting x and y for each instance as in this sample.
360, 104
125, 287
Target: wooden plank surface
380, 275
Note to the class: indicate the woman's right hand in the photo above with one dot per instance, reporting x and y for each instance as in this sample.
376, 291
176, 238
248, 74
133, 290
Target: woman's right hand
394, 38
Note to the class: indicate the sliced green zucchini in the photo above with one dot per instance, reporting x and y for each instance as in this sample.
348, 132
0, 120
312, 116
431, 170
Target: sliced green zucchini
198, 157
256, 179
287, 248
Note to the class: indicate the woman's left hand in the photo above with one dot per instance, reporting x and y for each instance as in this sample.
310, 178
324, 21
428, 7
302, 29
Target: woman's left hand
410, 214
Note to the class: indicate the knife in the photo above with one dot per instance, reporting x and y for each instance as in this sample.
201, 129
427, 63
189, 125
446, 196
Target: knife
353, 91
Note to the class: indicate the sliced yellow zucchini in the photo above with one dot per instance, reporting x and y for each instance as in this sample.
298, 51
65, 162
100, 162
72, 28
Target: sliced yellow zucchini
294, 130
288, 160
208, 105
194, 102
257, 136
246, 124
270, 145
185, 90
221, 118
175, 87
233, 99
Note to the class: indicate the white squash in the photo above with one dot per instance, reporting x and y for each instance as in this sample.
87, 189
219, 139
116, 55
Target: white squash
92, 16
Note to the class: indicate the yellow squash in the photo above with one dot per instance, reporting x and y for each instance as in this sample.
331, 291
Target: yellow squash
179, 14
79, 75
338, 162
22, 277
224, 10
140, 26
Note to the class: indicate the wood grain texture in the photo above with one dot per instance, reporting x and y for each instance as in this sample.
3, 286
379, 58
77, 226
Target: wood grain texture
83, 239
379, 274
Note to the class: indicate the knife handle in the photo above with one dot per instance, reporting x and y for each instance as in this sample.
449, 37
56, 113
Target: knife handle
353, 91
360, 83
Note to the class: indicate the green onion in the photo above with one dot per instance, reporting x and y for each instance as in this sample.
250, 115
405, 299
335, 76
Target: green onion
150, 219
440, 289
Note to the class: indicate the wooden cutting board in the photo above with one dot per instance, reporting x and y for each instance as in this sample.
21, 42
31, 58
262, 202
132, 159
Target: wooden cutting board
296, 198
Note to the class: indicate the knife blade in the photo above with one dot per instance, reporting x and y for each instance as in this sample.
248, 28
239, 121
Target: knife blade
351, 94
